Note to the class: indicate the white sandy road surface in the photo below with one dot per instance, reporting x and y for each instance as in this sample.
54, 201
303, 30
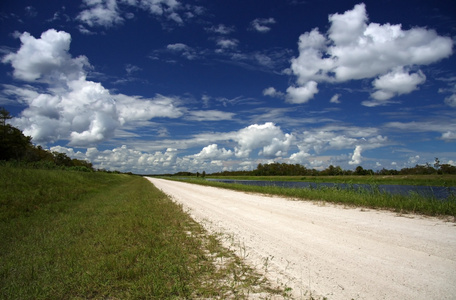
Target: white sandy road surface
329, 250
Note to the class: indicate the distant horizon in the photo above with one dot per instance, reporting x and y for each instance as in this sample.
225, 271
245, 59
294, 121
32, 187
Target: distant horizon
160, 87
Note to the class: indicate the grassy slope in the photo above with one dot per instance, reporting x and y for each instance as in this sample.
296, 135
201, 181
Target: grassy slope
71, 235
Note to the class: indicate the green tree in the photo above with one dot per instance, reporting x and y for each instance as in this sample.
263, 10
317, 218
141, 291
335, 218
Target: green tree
4, 115
13, 143
359, 171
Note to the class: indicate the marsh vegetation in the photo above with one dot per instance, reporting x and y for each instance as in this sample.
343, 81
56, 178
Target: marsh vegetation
351, 196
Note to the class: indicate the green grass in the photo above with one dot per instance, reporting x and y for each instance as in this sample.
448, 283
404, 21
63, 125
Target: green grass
430, 180
74, 235
412, 203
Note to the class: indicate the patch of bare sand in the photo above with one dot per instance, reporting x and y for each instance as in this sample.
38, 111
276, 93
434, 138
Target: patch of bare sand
326, 250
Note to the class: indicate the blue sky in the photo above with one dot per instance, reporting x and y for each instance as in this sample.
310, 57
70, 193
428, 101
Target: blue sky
162, 86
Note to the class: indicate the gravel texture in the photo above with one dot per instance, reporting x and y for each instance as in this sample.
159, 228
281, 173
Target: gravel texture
323, 250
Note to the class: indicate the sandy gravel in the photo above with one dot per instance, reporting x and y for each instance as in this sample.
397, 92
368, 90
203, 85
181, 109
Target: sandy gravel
330, 251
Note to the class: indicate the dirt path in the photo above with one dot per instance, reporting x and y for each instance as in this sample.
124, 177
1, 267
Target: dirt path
331, 251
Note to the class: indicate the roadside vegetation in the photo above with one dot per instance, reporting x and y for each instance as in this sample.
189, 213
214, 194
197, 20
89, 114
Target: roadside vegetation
353, 196
425, 175
94, 235
425, 180
436, 175
70, 231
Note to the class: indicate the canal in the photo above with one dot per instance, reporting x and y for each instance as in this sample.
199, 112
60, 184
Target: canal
438, 192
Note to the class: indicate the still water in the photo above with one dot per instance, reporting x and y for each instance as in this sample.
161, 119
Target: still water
438, 192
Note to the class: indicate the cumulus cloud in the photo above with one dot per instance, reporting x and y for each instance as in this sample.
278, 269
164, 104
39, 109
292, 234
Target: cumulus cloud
261, 25
71, 107
127, 159
300, 157
355, 49
46, 58
396, 82
356, 157
268, 137
330, 138
264, 142
302, 94
213, 152
272, 92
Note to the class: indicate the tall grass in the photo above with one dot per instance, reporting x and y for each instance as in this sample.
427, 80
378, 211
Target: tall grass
75, 235
353, 196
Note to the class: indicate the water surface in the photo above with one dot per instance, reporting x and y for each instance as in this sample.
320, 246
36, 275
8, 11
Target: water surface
438, 192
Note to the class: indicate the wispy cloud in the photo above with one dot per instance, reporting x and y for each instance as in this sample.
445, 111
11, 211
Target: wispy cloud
262, 25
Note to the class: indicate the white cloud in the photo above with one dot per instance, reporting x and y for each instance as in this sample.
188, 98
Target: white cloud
71, 107
126, 159
132, 69
261, 25
226, 43
413, 160
210, 115
136, 108
300, 157
270, 142
213, 152
445, 127
272, 92
397, 82
449, 135
103, 13
186, 51
356, 158
339, 138
335, 99
107, 13
269, 137
355, 49
46, 58
159, 7
221, 29
177, 47
302, 94
451, 100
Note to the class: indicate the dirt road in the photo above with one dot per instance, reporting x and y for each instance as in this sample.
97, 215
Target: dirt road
330, 251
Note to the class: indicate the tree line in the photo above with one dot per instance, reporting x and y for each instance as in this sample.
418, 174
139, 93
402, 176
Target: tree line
284, 169
17, 149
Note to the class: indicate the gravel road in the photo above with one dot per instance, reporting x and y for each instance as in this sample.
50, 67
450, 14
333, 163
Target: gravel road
327, 250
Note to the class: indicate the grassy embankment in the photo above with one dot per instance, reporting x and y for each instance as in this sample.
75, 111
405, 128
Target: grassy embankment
75, 235
412, 203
